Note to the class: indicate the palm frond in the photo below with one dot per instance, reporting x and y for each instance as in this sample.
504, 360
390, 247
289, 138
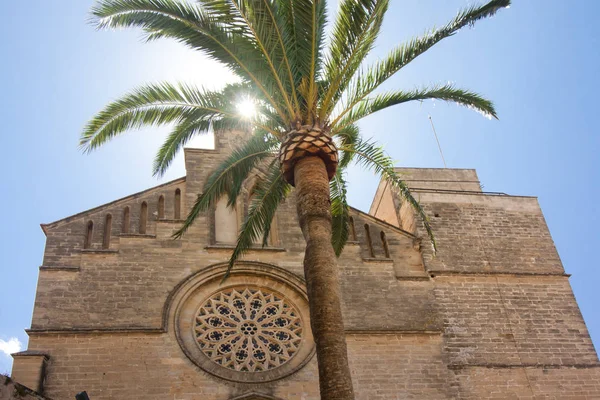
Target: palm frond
284, 37
268, 194
153, 105
446, 92
372, 156
348, 135
340, 214
366, 82
291, 37
231, 173
354, 33
307, 19
254, 20
178, 137
191, 26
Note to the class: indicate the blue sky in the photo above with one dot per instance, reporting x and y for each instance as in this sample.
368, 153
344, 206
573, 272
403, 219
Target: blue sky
538, 61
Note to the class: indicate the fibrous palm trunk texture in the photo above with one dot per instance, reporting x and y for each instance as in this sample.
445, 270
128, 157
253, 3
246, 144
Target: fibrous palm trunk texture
322, 278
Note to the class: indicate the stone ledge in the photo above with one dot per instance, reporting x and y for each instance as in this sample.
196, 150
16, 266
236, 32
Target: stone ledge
137, 235
230, 248
413, 278
70, 268
52, 331
392, 332
99, 251
435, 274
466, 192
378, 260
171, 221
31, 353
523, 365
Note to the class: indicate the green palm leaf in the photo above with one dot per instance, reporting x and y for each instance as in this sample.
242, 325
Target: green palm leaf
370, 79
347, 135
190, 25
446, 92
372, 156
229, 176
180, 135
354, 33
267, 195
254, 20
308, 19
340, 212
153, 105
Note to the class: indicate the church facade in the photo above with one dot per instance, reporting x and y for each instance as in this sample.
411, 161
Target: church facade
124, 311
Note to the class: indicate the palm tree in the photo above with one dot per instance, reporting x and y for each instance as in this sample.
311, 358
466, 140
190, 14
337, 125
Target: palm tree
308, 98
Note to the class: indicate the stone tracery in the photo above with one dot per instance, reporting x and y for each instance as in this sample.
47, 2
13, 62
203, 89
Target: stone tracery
248, 329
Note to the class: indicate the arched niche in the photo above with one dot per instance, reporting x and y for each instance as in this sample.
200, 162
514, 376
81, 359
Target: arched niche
226, 222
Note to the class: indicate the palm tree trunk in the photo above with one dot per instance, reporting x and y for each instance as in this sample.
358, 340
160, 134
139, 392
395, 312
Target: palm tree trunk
322, 279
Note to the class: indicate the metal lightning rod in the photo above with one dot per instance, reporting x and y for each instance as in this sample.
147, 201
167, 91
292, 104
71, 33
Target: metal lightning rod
437, 140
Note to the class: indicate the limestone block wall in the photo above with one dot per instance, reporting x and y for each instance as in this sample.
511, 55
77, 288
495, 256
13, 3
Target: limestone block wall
510, 321
11, 390
128, 287
78, 286
490, 315
66, 239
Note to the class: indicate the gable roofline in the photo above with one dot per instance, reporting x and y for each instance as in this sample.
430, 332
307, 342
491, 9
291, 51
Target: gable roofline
45, 227
386, 224
51, 225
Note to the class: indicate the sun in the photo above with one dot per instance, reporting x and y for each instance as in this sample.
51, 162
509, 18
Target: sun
246, 108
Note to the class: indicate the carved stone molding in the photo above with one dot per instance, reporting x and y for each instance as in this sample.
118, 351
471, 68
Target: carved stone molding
253, 328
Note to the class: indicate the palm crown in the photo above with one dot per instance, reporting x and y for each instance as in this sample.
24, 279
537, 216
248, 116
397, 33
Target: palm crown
277, 50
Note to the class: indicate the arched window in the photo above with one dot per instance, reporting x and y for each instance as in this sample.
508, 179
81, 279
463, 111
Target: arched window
125, 225
384, 243
369, 241
143, 218
352, 229
177, 206
87, 243
107, 228
161, 207
226, 224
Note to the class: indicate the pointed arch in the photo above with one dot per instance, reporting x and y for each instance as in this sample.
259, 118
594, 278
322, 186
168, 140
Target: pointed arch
107, 230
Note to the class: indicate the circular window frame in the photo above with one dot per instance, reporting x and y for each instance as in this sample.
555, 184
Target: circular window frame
198, 289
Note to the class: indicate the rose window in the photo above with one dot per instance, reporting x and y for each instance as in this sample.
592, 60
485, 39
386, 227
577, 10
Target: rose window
248, 329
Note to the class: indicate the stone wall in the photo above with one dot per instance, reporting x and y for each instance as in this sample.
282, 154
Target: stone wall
11, 390
490, 315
